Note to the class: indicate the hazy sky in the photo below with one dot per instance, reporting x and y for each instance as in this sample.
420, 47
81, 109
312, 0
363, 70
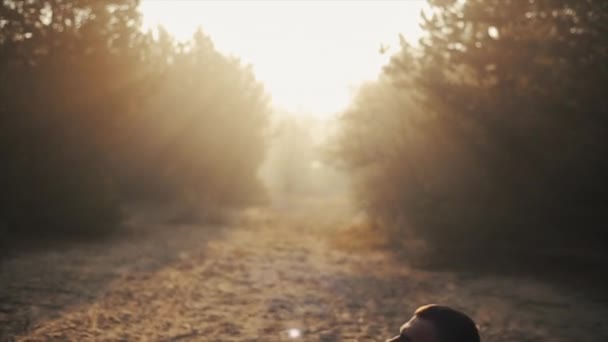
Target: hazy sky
310, 55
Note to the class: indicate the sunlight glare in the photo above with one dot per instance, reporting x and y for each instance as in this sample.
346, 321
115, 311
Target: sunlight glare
310, 56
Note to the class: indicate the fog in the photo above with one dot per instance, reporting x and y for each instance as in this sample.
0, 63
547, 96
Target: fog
244, 171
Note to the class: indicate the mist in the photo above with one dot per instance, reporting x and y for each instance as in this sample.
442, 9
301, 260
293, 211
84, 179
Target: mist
306, 171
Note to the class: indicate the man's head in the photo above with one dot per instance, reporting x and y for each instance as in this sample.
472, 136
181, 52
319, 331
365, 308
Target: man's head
435, 323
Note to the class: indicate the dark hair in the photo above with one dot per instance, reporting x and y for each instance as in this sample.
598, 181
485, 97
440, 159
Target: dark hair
451, 325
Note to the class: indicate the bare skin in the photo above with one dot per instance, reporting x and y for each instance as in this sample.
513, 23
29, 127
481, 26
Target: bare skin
416, 330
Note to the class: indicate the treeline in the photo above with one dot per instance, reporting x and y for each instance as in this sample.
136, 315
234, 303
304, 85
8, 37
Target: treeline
96, 115
489, 140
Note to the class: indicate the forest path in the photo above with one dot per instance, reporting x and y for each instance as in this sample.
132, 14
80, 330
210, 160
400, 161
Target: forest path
270, 277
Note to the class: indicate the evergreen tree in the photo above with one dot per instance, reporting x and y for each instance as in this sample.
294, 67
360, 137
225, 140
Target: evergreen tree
67, 76
504, 130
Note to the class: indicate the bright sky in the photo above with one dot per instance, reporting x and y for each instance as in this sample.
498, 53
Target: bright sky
310, 55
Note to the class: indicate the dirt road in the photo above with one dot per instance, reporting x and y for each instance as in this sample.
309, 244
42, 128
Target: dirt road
268, 277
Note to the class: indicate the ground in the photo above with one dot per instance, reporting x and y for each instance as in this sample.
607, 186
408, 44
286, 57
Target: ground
267, 276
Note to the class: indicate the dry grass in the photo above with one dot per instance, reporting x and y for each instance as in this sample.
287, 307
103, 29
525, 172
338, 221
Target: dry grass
273, 271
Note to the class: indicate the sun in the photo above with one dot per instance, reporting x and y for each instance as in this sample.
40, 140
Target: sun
310, 55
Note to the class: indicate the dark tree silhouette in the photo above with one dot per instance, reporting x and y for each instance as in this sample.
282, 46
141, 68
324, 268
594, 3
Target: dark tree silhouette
490, 139
96, 114
67, 78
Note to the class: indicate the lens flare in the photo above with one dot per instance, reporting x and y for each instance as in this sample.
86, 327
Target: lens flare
294, 333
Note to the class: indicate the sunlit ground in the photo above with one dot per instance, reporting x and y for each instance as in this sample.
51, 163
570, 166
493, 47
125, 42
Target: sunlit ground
310, 55
272, 279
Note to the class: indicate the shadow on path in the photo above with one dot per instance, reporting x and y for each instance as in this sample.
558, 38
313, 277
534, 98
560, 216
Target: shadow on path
39, 285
